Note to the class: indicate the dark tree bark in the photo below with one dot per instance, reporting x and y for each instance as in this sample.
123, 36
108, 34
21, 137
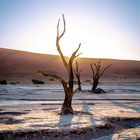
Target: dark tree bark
97, 72
78, 74
67, 105
95, 84
68, 90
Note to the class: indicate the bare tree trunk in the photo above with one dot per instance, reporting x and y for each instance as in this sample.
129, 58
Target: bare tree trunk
67, 105
95, 84
71, 79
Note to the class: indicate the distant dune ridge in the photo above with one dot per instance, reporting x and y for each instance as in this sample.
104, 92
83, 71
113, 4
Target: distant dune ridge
21, 66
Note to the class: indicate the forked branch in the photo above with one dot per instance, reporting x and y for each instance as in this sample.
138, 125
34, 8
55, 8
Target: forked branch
73, 56
64, 29
58, 37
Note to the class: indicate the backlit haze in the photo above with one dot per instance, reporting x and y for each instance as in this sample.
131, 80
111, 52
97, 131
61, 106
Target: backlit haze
105, 28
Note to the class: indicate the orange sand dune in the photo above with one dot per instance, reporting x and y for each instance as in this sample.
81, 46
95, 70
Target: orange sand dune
20, 66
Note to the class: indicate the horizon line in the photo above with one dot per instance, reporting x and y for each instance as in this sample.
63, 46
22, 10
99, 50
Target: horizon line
68, 56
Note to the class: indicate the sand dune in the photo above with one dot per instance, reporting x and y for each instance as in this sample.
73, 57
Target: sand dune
20, 66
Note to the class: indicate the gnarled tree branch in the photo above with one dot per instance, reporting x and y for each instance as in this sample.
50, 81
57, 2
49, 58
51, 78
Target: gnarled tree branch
53, 76
58, 37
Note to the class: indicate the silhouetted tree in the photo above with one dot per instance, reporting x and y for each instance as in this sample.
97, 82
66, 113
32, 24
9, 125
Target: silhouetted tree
97, 72
68, 89
78, 74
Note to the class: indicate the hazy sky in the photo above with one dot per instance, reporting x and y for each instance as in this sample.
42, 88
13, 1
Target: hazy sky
105, 28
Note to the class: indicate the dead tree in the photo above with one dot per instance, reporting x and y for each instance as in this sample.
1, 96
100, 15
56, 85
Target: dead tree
97, 72
78, 74
68, 89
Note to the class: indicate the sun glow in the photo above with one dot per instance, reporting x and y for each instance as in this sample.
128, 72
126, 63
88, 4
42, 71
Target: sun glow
96, 39
105, 28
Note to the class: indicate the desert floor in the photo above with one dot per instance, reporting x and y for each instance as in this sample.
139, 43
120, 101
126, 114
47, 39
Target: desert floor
33, 112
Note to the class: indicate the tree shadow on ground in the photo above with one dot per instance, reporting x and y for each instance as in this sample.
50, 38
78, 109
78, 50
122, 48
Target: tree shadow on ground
123, 105
65, 121
126, 106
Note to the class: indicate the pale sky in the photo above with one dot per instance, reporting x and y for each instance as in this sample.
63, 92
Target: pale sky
105, 28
